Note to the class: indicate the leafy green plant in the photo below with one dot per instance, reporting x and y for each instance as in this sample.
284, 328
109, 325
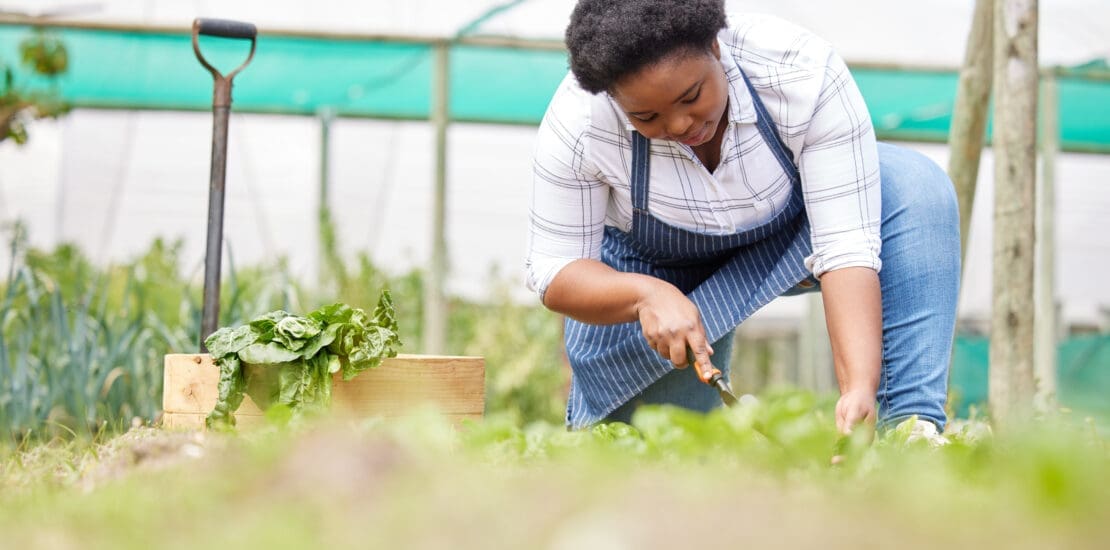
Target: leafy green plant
43, 53
284, 360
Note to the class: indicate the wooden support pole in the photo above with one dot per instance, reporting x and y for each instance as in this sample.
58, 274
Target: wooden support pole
969, 117
814, 350
1045, 324
746, 375
324, 227
435, 304
782, 360
1015, 115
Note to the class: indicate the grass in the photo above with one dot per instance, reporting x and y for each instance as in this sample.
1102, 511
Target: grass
673, 479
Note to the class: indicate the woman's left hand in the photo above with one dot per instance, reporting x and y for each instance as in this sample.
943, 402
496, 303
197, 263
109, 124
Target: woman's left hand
855, 407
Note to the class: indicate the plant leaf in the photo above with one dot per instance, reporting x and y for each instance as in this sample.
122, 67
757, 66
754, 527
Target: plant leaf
268, 353
320, 341
265, 324
294, 331
332, 314
290, 382
231, 388
385, 315
226, 341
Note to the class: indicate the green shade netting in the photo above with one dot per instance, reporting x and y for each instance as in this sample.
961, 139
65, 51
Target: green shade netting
389, 79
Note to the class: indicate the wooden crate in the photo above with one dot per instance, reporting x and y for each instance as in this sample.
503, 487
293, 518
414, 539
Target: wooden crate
453, 385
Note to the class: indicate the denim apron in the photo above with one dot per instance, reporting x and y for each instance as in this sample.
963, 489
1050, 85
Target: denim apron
728, 277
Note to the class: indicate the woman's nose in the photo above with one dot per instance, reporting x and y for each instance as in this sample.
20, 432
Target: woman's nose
679, 125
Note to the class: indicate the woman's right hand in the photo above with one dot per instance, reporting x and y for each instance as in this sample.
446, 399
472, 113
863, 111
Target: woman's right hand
671, 323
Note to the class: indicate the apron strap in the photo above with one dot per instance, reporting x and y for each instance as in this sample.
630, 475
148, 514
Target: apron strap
766, 127
641, 170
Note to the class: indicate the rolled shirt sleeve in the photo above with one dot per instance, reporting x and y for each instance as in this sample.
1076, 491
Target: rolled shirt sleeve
839, 166
569, 199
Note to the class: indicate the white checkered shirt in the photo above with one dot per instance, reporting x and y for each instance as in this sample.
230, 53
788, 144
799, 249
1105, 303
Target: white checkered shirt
582, 172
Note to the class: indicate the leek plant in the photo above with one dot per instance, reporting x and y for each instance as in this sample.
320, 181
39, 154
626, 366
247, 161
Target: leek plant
81, 348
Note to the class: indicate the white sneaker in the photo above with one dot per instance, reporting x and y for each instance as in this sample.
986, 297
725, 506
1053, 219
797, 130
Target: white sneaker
969, 431
921, 430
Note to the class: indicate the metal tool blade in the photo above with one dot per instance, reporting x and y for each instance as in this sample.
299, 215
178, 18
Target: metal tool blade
725, 390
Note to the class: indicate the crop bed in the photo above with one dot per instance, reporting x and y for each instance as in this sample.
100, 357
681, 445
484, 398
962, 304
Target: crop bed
759, 475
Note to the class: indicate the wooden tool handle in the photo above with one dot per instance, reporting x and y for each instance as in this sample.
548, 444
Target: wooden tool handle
224, 28
705, 374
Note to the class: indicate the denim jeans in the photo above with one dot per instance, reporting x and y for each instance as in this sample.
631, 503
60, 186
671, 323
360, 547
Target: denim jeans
920, 279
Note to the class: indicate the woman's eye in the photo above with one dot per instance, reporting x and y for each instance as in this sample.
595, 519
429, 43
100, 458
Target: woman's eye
647, 119
693, 99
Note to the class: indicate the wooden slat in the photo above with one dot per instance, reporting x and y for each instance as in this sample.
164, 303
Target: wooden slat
190, 385
195, 421
453, 385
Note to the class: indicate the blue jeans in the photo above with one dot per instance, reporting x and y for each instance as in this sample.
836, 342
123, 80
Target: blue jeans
920, 280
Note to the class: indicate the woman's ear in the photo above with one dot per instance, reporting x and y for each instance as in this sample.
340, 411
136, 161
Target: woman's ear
716, 49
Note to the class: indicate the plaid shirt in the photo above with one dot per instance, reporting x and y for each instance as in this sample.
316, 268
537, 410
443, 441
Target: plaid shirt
582, 172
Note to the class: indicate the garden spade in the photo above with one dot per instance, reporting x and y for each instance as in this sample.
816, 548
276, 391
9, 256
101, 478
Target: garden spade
221, 109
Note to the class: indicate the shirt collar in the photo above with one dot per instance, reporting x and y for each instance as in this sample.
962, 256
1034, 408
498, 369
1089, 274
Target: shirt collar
740, 107
741, 110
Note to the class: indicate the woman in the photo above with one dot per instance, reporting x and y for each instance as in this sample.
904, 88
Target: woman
693, 167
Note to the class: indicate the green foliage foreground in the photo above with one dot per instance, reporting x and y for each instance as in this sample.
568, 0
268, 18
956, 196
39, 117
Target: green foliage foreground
81, 347
758, 475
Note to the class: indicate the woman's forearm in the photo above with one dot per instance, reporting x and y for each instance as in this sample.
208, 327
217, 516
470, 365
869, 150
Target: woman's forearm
592, 292
854, 315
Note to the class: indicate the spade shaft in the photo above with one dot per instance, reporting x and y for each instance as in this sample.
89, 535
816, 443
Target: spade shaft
221, 111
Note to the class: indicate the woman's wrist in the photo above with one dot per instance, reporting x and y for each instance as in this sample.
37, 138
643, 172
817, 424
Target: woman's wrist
645, 287
862, 379
861, 388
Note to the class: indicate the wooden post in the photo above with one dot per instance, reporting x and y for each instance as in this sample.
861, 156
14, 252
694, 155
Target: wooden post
969, 117
746, 375
1015, 115
782, 359
435, 305
814, 349
323, 212
1044, 324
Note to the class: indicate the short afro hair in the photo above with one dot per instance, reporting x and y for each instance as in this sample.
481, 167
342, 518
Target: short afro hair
611, 39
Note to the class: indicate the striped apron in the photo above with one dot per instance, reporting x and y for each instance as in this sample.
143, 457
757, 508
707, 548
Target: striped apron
728, 277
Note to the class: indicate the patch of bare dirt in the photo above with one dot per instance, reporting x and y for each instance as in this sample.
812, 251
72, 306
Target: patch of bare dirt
145, 449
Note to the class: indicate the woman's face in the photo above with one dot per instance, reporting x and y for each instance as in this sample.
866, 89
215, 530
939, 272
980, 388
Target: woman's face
681, 98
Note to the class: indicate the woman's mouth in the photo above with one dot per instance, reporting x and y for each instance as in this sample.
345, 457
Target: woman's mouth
698, 138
